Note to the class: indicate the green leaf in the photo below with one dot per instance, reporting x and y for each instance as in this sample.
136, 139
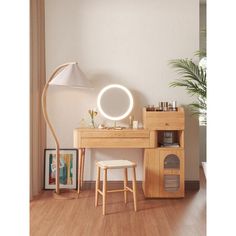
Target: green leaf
193, 79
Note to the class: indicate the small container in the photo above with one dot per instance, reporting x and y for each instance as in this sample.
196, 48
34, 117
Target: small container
135, 124
131, 118
165, 106
174, 105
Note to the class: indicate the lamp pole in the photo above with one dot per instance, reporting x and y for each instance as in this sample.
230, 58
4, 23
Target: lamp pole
45, 114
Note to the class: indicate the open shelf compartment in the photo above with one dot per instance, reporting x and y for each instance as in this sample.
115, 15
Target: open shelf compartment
170, 138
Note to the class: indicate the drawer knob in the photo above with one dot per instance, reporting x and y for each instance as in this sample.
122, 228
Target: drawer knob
166, 124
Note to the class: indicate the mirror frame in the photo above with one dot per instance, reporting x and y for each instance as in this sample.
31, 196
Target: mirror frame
131, 102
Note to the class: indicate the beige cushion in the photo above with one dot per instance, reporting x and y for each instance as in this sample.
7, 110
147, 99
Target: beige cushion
115, 164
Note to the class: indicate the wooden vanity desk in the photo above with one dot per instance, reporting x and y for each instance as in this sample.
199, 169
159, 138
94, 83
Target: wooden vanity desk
163, 142
110, 138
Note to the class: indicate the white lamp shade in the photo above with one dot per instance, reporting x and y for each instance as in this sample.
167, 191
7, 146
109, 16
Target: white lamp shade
71, 76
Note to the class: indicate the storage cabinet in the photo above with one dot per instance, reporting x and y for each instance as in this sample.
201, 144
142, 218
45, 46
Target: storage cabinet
163, 167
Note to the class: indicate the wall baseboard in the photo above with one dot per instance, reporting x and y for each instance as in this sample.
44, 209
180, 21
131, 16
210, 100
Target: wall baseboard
190, 185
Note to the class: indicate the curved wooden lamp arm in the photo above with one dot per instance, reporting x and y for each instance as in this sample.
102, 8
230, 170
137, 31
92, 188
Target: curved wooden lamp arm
45, 114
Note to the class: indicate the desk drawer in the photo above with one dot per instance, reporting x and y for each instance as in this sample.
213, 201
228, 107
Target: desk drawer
115, 142
111, 133
108, 138
163, 120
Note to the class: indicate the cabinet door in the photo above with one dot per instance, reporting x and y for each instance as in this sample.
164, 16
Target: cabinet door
171, 173
151, 173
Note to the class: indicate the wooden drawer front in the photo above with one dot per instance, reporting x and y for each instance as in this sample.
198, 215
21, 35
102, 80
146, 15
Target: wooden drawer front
127, 138
164, 120
114, 133
114, 142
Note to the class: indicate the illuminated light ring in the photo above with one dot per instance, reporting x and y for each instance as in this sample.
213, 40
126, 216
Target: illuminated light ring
131, 102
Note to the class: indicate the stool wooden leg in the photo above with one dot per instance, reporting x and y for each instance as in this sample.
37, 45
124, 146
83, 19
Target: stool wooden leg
125, 184
97, 185
134, 189
104, 191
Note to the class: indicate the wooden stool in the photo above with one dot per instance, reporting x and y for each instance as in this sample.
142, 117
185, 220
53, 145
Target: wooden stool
114, 164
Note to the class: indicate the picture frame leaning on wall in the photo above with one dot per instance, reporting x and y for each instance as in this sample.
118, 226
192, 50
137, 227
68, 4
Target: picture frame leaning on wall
68, 168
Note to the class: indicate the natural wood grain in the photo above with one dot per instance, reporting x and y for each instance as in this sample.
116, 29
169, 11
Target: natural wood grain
82, 167
168, 120
97, 185
134, 189
151, 173
79, 168
181, 138
114, 164
104, 190
125, 183
155, 217
155, 183
110, 138
50, 126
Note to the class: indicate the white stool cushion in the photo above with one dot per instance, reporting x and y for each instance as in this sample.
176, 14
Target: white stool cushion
115, 164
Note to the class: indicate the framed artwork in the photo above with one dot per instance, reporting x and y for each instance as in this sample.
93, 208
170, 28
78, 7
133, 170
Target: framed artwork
68, 168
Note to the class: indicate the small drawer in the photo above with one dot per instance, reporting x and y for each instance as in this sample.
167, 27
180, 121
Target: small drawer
155, 120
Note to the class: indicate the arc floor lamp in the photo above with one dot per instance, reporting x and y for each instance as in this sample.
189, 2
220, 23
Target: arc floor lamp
68, 74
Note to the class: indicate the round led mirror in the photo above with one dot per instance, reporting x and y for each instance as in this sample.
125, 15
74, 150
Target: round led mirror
115, 102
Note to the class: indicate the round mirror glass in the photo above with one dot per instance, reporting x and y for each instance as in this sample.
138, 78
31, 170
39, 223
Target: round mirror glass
115, 102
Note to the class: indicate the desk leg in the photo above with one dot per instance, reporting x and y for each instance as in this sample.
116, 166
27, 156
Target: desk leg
82, 167
79, 169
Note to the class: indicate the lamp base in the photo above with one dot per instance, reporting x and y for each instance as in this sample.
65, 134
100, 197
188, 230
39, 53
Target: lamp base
66, 194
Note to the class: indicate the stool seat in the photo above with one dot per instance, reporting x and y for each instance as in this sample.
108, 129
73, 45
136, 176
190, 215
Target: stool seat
115, 164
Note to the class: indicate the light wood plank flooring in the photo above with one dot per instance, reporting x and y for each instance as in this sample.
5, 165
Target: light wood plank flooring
165, 217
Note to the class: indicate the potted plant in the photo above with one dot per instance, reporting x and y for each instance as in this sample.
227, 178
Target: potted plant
193, 79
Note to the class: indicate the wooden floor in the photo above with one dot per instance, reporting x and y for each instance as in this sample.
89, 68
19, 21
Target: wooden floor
165, 217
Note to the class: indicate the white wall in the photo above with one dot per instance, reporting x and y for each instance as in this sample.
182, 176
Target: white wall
127, 42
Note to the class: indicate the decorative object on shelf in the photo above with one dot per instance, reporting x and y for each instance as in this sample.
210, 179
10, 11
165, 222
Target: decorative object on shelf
92, 113
101, 126
150, 108
193, 79
135, 124
82, 123
131, 118
68, 168
115, 102
70, 75
163, 106
168, 137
